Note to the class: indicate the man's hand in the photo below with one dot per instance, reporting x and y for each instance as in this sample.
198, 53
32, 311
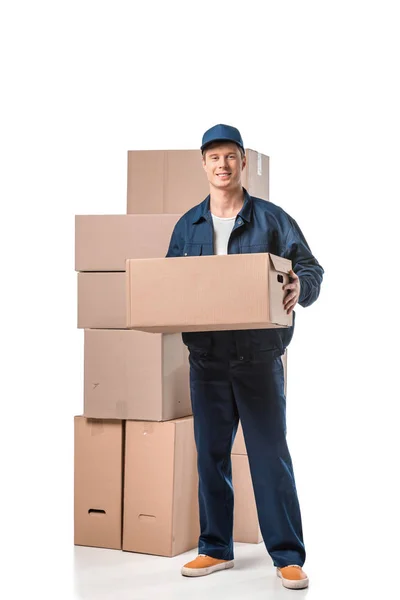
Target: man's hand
291, 298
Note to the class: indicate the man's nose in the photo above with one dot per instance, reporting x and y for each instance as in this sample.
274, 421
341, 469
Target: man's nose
222, 162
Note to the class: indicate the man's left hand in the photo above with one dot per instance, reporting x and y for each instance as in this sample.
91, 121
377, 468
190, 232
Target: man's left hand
293, 287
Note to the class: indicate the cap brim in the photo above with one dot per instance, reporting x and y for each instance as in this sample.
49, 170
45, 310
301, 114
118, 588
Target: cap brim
204, 146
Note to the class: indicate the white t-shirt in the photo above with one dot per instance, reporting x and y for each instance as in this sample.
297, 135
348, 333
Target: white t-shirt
222, 230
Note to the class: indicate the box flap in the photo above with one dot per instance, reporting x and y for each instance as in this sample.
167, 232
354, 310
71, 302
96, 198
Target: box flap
283, 265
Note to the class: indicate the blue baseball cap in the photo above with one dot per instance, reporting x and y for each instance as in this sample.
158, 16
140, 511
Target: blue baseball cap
222, 133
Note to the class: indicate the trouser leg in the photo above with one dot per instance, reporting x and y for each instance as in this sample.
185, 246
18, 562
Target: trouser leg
259, 393
215, 424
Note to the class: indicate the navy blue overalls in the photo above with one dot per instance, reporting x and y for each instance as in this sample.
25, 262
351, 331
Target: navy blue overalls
239, 375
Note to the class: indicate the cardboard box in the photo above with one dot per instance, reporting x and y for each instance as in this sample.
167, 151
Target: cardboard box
161, 513
173, 181
98, 474
245, 518
207, 293
101, 301
135, 375
104, 242
239, 446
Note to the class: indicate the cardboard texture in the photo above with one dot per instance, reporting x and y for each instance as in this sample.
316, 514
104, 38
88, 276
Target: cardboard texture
104, 242
239, 446
98, 473
245, 519
207, 293
173, 181
160, 500
135, 375
101, 301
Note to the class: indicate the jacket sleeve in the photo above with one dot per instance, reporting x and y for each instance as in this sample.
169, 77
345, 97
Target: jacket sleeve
176, 243
305, 265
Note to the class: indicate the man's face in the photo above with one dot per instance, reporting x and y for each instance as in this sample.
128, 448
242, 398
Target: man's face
223, 165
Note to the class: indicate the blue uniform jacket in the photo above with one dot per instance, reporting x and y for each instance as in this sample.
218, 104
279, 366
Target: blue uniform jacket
260, 226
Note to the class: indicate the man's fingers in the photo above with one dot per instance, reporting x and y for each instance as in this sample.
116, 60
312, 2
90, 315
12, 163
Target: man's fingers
290, 300
290, 307
289, 297
293, 289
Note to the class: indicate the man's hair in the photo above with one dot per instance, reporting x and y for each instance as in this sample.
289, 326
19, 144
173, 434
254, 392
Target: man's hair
217, 143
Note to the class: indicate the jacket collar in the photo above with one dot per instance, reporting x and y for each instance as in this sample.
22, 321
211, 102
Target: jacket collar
203, 209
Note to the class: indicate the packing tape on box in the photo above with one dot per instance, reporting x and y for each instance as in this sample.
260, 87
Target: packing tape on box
259, 163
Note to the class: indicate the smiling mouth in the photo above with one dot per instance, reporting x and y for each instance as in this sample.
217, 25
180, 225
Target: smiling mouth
223, 174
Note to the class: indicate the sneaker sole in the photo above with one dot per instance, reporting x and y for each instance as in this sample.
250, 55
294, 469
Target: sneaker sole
296, 584
189, 572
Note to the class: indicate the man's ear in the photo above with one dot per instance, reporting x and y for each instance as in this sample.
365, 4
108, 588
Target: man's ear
203, 161
244, 162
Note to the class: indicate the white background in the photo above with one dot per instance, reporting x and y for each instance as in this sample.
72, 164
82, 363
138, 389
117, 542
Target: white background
312, 84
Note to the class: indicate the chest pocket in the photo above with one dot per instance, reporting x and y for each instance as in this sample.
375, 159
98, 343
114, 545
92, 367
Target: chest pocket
192, 249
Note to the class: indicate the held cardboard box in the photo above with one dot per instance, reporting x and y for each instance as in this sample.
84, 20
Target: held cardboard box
101, 301
245, 518
173, 181
161, 513
104, 242
207, 293
98, 475
135, 375
239, 446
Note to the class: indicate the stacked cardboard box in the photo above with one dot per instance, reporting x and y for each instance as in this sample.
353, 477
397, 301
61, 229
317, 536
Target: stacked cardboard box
98, 482
130, 375
135, 458
173, 181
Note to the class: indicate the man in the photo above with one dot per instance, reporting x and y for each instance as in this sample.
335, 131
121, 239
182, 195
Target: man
239, 374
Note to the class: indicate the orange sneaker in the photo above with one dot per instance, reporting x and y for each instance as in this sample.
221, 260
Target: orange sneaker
293, 577
204, 565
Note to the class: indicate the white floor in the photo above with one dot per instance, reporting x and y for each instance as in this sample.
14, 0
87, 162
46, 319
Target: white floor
101, 574
108, 574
